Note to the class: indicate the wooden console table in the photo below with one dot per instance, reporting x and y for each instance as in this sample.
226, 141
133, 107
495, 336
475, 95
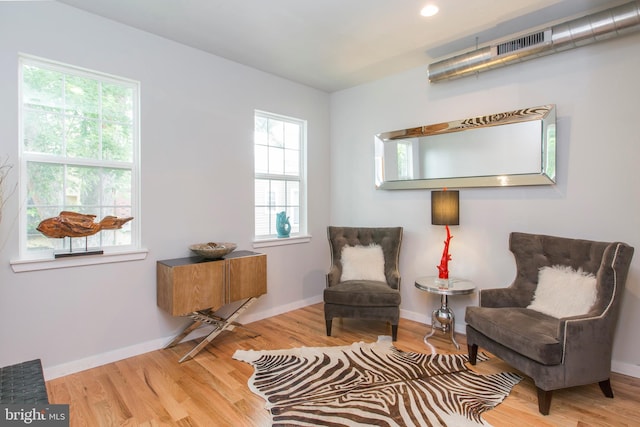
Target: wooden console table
196, 287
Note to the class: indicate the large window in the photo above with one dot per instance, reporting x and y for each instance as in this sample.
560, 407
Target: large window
279, 173
79, 153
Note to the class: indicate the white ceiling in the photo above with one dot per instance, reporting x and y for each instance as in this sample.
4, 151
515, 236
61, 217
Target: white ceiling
336, 44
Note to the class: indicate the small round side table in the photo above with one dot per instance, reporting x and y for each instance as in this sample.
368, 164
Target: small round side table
444, 315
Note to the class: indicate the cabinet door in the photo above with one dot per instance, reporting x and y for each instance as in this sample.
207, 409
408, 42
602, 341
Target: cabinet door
196, 287
247, 277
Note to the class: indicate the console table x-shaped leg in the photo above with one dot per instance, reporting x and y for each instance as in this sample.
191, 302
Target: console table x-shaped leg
219, 324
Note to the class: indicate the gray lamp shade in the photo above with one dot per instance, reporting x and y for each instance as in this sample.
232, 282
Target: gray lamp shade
445, 207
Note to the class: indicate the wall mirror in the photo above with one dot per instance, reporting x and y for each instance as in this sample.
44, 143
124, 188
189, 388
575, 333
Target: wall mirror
512, 148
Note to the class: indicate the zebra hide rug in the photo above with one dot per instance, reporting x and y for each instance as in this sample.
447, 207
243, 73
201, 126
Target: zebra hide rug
373, 384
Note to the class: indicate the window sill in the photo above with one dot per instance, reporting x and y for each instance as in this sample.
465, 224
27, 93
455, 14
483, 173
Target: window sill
20, 266
263, 243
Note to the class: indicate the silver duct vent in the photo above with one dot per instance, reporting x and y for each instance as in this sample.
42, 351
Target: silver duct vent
589, 29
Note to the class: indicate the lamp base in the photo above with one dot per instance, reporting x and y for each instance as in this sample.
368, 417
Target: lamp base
442, 283
443, 268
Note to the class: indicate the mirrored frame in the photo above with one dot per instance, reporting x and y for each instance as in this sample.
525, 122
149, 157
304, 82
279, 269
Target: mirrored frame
513, 148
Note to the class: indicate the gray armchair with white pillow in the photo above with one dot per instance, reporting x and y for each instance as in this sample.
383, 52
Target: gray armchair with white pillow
364, 279
556, 321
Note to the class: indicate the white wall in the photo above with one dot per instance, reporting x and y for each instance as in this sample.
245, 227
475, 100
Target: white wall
597, 92
197, 181
197, 121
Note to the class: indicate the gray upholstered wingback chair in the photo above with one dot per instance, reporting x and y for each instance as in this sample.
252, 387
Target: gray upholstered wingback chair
365, 299
555, 353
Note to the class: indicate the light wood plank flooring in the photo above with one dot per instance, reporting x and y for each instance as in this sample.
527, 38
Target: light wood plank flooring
211, 390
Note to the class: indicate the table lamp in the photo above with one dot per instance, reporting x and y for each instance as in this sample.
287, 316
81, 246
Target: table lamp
445, 211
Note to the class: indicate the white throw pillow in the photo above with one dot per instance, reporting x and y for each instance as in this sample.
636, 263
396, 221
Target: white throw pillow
564, 292
362, 263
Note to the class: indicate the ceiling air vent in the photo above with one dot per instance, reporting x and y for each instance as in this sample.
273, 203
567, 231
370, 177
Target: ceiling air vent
524, 42
598, 26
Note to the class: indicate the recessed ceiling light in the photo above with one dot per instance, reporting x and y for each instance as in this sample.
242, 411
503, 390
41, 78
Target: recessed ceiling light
429, 10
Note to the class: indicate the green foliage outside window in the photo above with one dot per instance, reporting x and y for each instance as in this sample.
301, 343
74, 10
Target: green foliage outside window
78, 143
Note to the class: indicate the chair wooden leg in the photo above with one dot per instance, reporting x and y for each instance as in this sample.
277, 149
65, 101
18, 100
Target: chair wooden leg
544, 400
473, 353
328, 322
605, 386
394, 332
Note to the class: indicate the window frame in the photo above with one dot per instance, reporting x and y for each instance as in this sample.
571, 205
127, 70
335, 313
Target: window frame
40, 258
301, 178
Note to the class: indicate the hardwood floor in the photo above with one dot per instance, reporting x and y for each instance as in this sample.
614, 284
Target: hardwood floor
211, 390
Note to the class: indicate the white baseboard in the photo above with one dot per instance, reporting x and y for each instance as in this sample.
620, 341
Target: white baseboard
61, 370
625, 369
51, 372
254, 317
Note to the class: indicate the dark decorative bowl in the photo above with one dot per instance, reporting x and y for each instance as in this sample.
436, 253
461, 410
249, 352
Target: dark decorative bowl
213, 250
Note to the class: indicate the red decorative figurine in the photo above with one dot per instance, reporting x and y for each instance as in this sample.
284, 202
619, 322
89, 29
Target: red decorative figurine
443, 268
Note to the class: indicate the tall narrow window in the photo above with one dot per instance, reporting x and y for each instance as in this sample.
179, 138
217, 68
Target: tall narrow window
279, 173
79, 152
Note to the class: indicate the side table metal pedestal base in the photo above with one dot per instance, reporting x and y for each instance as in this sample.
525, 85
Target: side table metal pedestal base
443, 315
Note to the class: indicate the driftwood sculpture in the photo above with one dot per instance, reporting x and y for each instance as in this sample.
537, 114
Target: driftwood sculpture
73, 224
